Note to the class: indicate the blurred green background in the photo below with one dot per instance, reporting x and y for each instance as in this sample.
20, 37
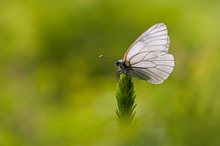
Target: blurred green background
55, 91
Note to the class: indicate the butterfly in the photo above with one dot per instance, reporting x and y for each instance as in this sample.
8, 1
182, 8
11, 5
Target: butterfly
148, 58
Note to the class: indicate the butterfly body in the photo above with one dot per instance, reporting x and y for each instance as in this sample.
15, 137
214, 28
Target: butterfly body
147, 58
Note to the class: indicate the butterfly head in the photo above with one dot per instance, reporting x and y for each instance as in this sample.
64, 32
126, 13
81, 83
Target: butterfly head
118, 63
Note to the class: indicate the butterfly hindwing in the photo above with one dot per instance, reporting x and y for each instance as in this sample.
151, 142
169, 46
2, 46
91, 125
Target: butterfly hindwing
155, 65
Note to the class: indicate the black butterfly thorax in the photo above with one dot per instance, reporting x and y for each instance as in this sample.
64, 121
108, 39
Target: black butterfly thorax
123, 67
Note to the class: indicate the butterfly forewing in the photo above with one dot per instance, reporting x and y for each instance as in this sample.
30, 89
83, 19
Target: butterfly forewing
155, 38
148, 55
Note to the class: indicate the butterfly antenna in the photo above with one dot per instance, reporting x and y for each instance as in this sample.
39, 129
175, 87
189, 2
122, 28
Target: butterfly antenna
102, 56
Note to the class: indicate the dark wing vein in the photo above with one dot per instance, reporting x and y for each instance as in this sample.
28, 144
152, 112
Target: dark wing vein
154, 74
147, 53
137, 74
154, 28
158, 35
155, 57
156, 32
163, 71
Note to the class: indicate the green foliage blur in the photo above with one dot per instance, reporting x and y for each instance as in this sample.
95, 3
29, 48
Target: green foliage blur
55, 91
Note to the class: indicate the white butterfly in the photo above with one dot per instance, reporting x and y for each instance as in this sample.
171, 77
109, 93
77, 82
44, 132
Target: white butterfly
147, 58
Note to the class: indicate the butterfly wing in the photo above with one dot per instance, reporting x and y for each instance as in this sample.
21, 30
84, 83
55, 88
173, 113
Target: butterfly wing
153, 39
148, 55
155, 67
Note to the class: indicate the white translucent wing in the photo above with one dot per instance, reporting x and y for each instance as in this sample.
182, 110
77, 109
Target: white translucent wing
155, 66
154, 39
